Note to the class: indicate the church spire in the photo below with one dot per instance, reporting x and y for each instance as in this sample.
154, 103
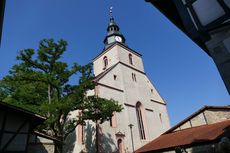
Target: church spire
113, 33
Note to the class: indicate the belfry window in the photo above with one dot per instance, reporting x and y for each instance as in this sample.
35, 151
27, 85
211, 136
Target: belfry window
130, 59
140, 121
105, 59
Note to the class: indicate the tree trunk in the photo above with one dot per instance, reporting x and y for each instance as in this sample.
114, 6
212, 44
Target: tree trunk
49, 93
58, 148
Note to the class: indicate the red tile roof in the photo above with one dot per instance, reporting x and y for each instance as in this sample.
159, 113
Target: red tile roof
189, 136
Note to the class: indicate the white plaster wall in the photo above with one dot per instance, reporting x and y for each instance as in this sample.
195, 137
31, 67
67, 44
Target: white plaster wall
115, 54
112, 56
137, 59
108, 79
156, 125
139, 90
109, 137
198, 120
72, 145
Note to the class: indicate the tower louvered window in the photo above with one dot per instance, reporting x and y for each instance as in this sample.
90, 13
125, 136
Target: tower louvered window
105, 59
130, 59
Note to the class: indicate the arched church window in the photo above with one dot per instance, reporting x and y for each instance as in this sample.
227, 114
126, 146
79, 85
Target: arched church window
119, 145
105, 59
130, 59
140, 121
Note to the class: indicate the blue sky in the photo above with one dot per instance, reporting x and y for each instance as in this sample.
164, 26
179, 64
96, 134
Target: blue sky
185, 76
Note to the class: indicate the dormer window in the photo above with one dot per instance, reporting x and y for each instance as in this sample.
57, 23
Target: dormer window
130, 59
105, 60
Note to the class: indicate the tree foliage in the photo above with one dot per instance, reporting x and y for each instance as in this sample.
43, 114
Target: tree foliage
40, 83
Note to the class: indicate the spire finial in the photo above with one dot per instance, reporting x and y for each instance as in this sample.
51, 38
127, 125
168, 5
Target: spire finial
111, 13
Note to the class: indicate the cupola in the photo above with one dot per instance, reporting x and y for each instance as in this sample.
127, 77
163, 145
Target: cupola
113, 33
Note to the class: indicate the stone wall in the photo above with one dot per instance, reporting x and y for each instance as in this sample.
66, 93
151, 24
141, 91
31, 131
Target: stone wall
217, 115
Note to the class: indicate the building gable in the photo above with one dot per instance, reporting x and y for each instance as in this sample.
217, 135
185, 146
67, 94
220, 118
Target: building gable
204, 116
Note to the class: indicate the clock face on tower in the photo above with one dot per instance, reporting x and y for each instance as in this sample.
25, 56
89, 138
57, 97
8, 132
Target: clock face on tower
117, 38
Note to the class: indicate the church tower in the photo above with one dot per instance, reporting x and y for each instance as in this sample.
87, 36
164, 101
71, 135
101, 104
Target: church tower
120, 76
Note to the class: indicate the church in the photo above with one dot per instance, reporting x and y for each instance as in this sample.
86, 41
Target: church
120, 76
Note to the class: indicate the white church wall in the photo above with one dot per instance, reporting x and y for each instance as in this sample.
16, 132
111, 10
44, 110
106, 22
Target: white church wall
141, 91
135, 130
161, 123
127, 90
108, 140
112, 56
72, 142
134, 92
108, 79
137, 59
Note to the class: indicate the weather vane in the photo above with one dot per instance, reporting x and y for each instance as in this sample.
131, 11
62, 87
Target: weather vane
111, 11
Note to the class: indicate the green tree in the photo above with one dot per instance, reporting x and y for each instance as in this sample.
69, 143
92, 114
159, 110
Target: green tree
40, 84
